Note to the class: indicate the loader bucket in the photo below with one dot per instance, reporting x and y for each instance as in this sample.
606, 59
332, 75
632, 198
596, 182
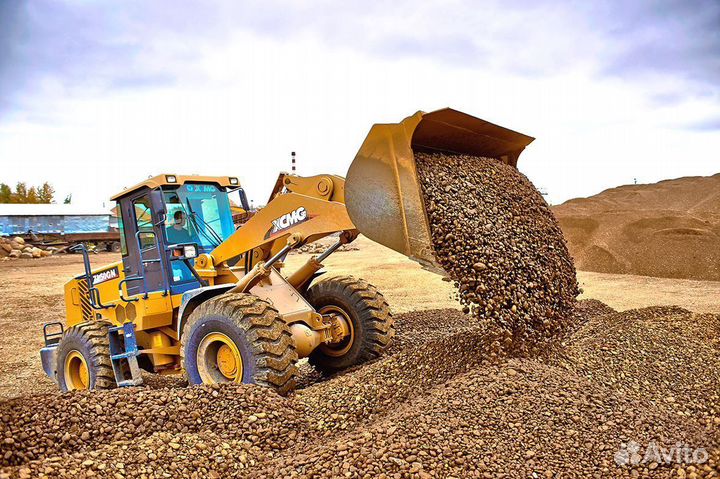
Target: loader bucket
383, 195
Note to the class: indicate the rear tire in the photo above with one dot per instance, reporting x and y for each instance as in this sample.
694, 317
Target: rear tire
114, 247
238, 338
367, 312
83, 358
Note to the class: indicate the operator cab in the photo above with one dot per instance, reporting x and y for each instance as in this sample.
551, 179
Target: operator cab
166, 221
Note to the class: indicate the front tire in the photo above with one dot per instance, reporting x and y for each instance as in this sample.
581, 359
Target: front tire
238, 338
83, 358
368, 317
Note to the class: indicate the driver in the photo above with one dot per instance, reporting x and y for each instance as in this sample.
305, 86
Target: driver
177, 233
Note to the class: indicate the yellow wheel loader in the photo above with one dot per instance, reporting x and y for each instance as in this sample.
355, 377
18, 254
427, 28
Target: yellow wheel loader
193, 295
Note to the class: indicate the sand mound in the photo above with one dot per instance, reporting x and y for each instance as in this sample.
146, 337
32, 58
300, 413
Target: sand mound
441, 403
668, 229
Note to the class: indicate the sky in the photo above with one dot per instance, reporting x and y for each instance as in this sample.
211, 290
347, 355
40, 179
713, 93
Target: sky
96, 96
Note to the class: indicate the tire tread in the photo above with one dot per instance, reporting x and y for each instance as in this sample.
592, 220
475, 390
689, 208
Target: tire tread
268, 335
372, 309
95, 334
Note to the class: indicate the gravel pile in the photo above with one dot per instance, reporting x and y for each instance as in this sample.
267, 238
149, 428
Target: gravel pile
446, 401
497, 239
428, 359
44, 427
521, 418
524, 418
665, 356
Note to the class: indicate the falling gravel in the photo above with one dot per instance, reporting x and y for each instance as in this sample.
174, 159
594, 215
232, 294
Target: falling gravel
496, 237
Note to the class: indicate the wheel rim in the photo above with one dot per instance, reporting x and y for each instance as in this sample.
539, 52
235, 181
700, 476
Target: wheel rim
341, 348
219, 360
77, 374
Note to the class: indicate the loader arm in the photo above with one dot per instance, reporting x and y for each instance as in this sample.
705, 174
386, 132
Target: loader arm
308, 208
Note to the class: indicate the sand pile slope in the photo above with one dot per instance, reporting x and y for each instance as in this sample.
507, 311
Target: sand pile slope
668, 229
441, 403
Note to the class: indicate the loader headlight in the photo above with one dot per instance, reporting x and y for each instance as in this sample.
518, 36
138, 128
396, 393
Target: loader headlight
234, 181
171, 178
183, 251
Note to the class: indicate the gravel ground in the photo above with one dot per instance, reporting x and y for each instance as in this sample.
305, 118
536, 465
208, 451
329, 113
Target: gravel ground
442, 403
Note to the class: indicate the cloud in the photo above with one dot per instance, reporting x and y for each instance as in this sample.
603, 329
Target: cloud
662, 38
75, 48
665, 51
707, 124
139, 44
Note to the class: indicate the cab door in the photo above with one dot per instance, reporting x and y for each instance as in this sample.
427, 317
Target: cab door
143, 257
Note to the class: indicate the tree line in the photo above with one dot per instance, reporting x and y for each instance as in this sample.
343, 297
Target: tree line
42, 194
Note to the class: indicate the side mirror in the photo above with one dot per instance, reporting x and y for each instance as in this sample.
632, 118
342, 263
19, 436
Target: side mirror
182, 252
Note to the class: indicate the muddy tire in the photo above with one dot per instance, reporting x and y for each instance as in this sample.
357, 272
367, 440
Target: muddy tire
238, 338
114, 247
368, 314
83, 358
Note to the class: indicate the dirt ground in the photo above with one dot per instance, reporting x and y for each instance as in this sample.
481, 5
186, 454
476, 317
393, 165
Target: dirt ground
32, 294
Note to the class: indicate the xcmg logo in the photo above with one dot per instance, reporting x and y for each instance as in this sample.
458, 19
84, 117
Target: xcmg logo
289, 219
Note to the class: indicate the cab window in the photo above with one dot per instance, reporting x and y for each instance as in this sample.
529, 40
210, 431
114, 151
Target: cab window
143, 220
198, 213
121, 229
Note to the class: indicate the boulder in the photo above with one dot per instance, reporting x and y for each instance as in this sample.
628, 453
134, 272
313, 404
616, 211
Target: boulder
26, 254
15, 245
27, 249
45, 254
15, 253
6, 246
19, 240
36, 252
3, 253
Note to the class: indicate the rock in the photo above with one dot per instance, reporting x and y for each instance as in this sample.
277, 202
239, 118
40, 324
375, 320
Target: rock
36, 252
15, 253
19, 240
26, 255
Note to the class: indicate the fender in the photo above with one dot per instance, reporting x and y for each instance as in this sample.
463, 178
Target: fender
193, 298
